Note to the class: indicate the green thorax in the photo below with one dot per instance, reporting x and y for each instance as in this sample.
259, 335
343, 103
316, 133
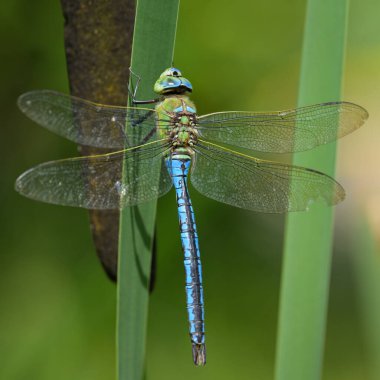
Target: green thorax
175, 104
176, 113
176, 120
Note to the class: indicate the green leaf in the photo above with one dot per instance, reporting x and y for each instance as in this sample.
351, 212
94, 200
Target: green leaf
308, 236
366, 270
152, 52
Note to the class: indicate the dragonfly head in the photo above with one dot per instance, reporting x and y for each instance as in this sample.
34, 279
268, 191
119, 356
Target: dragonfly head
171, 81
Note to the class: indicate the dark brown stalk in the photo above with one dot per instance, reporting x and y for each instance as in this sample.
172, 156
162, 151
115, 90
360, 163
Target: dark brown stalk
98, 41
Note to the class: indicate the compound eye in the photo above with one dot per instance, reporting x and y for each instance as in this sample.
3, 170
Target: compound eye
175, 72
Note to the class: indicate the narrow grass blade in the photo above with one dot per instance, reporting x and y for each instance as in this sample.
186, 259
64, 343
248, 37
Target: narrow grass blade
308, 236
366, 264
152, 52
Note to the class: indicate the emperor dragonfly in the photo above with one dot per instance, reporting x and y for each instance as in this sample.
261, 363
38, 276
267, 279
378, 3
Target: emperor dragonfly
157, 147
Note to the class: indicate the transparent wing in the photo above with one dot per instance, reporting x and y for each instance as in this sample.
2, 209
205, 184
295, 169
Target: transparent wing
257, 185
95, 182
275, 131
88, 123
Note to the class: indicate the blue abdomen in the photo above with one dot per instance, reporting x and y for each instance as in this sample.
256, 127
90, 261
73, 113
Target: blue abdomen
178, 169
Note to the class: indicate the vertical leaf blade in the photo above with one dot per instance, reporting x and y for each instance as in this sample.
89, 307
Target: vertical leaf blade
308, 236
152, 52
366, 266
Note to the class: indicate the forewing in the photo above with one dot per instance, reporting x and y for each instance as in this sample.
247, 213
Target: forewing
284, 131
257, 185
88, 123
95, 182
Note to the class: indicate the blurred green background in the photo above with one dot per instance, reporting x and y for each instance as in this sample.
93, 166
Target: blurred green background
57, 317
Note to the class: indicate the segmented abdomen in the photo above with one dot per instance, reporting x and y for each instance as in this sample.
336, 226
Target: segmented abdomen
179, 169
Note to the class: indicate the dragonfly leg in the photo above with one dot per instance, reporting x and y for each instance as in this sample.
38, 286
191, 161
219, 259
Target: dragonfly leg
148, 136
132, 90
136, 123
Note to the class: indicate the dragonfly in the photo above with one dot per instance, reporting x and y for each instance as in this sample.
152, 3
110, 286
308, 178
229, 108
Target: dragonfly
157, 148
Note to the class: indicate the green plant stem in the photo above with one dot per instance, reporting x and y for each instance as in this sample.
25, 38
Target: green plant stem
308, 236
152, 52
366, 265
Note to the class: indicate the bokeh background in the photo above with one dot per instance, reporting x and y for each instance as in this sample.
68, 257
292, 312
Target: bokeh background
57, 318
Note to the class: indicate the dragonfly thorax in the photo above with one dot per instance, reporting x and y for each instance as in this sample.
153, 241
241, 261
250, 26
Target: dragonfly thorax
183, 133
